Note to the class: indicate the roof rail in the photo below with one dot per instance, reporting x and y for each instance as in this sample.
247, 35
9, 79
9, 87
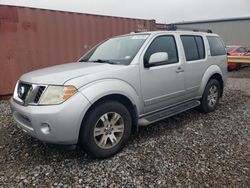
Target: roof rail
173, 27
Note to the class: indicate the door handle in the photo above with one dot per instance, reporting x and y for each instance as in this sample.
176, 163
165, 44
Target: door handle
179, 69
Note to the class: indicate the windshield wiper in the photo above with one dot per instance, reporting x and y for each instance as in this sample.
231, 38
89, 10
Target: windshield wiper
83, 60
103, 61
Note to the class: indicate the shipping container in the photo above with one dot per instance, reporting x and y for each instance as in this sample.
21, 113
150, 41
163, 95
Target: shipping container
33, 38
162, 27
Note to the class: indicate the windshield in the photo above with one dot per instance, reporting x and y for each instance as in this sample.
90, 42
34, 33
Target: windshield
230, 48
118, 50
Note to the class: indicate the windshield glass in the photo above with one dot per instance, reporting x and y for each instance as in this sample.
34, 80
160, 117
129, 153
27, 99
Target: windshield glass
118, 50
230, 48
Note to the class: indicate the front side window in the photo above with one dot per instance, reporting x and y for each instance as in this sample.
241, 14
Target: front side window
193, 47
163, 44
117, 50
216, 46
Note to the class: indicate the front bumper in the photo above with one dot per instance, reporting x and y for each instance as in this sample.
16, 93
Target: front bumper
64, 120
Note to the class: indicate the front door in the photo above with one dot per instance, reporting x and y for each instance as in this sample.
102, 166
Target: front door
162, 85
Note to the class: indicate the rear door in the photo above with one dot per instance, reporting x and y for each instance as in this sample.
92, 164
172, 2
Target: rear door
195, 63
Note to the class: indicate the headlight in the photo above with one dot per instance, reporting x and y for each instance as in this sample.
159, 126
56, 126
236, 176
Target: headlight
57, 94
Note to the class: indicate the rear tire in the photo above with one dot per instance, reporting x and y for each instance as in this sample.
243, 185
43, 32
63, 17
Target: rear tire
210, 97
106, 129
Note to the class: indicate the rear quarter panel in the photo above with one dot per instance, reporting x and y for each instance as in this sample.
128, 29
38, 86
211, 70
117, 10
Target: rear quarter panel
216, 64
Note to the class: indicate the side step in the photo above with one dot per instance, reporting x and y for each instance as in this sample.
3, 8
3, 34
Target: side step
168, 112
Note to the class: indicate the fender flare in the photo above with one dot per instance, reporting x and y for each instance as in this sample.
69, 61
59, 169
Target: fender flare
212, 70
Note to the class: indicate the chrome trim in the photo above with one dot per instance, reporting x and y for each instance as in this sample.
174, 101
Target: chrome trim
15, 95
31, 95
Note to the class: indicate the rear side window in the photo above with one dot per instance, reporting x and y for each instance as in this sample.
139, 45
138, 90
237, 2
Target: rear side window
216, 46
193, 47
163, 44
200, 45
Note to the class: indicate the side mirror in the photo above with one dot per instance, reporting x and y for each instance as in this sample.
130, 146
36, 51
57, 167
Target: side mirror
157, 58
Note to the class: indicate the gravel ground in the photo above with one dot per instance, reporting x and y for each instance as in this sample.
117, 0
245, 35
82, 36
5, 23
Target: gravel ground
242, 73
188, 150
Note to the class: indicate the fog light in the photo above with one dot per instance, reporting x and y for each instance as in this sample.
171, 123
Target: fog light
45, 128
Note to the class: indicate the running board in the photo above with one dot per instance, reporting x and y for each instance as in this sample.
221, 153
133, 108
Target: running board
157, 116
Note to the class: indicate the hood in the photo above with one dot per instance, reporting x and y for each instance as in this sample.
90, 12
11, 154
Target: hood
58, 75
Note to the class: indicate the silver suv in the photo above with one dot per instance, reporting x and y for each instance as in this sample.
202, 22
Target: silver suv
122, 83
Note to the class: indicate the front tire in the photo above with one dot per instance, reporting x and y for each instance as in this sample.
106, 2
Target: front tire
106, 129
210, 97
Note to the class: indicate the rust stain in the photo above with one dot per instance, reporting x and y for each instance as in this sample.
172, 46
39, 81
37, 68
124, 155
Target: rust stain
10, 55
29, 26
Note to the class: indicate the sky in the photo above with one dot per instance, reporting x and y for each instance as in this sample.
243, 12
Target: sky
163, 11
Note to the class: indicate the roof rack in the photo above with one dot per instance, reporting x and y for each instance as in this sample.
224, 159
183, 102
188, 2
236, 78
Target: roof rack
173, 27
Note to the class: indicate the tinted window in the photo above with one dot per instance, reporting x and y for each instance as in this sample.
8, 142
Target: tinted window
216, 46
201, 48
163, 44
193, 47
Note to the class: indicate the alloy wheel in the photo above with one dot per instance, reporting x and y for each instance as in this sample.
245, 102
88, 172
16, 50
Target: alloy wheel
109, 130
213, 95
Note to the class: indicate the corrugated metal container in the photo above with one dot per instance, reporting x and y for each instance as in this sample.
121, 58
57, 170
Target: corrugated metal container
35, 38
233, 31
162, 27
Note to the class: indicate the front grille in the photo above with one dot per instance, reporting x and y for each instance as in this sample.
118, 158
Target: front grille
39, 93
28, 94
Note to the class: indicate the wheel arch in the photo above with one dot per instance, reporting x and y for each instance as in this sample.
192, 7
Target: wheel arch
213, 72
218, 77
118, 98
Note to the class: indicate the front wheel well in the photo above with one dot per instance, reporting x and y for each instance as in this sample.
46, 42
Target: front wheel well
220, 80
123, 100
